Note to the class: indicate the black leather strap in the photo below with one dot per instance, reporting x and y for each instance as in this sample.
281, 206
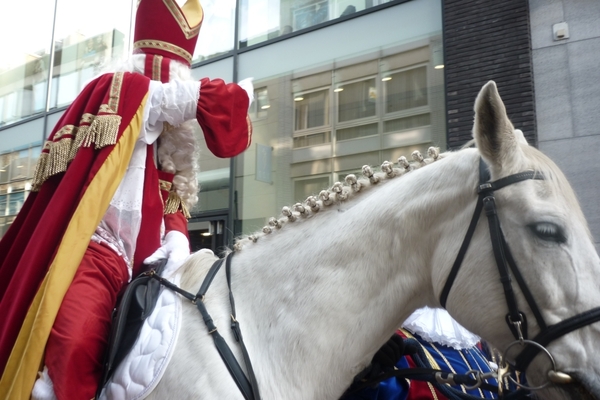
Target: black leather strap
546, 336
249, 389
461, 254
235, 326
484, 176
524, 288
514, 315
209, 278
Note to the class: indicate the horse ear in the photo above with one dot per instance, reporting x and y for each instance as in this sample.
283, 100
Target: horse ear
494, 134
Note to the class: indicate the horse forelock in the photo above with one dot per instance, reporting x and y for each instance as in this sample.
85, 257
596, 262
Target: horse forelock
559, 184
342, 193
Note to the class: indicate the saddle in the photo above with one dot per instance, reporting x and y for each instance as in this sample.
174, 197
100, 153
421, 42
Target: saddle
137, 303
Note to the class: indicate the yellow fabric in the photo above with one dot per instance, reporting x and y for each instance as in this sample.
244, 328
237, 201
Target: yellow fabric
28, 353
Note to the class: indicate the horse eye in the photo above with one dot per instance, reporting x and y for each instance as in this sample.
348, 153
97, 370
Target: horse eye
548, 231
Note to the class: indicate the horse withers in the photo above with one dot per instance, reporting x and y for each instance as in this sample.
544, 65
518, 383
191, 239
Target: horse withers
316, 298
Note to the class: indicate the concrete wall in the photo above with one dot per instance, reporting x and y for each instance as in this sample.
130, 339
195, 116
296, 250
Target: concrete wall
567, 95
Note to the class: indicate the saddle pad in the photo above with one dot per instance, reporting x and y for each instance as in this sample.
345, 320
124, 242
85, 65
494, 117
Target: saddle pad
141, 370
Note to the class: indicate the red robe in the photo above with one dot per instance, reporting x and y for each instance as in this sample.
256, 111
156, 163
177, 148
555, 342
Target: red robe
43, 247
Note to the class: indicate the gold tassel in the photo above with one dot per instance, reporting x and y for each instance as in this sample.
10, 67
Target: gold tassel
87, 137
38, 174
58, 157
174, 203
185, 211
104, 130
79, 135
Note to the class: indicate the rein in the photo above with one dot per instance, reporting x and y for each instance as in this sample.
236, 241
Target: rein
247, 384
515, 319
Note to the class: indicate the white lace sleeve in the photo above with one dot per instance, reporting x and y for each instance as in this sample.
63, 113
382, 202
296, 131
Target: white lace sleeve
174, 102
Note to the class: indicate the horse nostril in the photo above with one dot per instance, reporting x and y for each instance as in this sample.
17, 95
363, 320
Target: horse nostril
559, 377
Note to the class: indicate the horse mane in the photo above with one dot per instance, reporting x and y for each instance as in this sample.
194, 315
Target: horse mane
341, 192
352, 186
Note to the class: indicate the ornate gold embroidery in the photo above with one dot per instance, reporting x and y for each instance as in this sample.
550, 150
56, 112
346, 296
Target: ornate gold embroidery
160, 45
165, 185
182, 21
156, 66
87, 118
115, 92
65, 130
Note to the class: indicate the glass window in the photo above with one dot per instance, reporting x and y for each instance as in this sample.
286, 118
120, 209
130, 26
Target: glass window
331, 115
88, 38
262, 20
312, 109
260, 105
405, 89
24, 62
3, 205
15, 202
217, 33
310, 187
312, 139
356, 132
356, 100
5, 163
401, 124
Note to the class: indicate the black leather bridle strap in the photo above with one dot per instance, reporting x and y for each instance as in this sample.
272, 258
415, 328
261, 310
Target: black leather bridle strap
484, 176
554, 332
524, 289
461, 254
496, 238
235, 326
501, 252
227, 356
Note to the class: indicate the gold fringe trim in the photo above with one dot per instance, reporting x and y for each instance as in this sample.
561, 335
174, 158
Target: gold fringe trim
58, 157
40, 167
80, 135
103, 131
174, 203
59, 152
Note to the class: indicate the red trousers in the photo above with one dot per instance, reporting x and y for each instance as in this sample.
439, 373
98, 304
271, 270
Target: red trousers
79, 336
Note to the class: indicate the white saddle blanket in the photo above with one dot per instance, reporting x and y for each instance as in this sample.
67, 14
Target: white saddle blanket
141, 370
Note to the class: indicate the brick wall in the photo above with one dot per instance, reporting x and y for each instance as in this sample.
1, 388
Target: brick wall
487, 40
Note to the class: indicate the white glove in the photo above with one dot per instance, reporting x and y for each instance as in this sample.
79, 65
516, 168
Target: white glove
175, 248
247, 85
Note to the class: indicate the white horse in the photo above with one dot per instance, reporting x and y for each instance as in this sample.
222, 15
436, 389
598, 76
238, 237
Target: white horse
317, 298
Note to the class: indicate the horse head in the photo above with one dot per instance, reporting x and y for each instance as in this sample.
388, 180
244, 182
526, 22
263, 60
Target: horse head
543, 232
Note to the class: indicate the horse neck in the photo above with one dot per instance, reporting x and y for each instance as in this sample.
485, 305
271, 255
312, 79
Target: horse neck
335, 287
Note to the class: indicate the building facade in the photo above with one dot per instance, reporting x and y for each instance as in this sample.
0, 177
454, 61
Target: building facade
338, 84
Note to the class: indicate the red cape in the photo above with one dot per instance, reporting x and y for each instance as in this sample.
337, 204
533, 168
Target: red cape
28, 247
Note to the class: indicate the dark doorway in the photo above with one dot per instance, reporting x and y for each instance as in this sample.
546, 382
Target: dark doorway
208, 233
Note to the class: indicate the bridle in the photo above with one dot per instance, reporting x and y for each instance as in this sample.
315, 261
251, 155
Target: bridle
515, 319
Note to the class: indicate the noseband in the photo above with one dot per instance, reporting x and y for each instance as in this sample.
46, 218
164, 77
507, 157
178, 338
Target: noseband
515, 319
